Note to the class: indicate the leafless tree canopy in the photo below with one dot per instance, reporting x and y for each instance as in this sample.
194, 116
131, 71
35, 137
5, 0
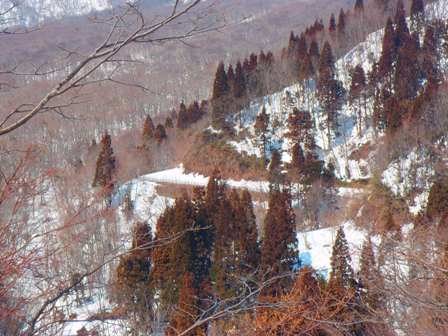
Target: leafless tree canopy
126, 26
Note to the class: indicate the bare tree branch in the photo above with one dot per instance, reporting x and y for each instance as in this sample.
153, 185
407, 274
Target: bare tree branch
105, 52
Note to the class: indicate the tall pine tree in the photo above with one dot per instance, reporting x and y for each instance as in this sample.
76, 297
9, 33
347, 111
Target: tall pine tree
174, 226
417, 15
148, 130
187, 312
359, 6
105, 164
160, 134
221, 90
332, 24
279, 250
407, 73
341, 275
330, 91
248, 236
357, 93
388, 53
370, 279
239, 88
341, 22
402, 33
261, 130
182, 116
135, 292
201, 242
429, 54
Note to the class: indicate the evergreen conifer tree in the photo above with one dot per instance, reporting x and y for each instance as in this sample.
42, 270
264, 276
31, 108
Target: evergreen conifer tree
239, 88
326, 61
314, 49
402, 33
160, 134
380, 115
162, 274
359, 6
370, 279
215, 193
134, 281
177, 222
230, 77
279, 246
182, 116
407, 73
276, 177
388, 53
341, 275
194, 112
148, 130
221, 85
223, 268
306, 70
302, 48
438, 199
219, 99
357, 92
330, 91
261, 129
341, 22
187, 311
429, 54
169, 122
300, 126
292, 45
417, 15
253, 62
248, 236
105, 164
332, 24
298, 158
201, 242
358, 82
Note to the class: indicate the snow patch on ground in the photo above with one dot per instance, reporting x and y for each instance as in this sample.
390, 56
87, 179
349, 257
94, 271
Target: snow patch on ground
316, 247
411, 177
179, 176
246, 146
147, 204
82, 311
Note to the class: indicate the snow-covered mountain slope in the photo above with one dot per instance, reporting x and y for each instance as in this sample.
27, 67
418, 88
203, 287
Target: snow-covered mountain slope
280, 105
315, 247
32, 12
345, 151
303, 96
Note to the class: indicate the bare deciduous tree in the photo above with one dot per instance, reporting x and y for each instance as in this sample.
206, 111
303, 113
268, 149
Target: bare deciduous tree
127, 26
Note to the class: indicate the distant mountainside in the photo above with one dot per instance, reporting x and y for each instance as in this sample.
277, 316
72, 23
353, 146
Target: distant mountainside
348, 204
301, 190
32, 12
249, 26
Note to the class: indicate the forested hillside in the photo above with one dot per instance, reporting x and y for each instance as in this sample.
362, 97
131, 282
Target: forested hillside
305, 195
